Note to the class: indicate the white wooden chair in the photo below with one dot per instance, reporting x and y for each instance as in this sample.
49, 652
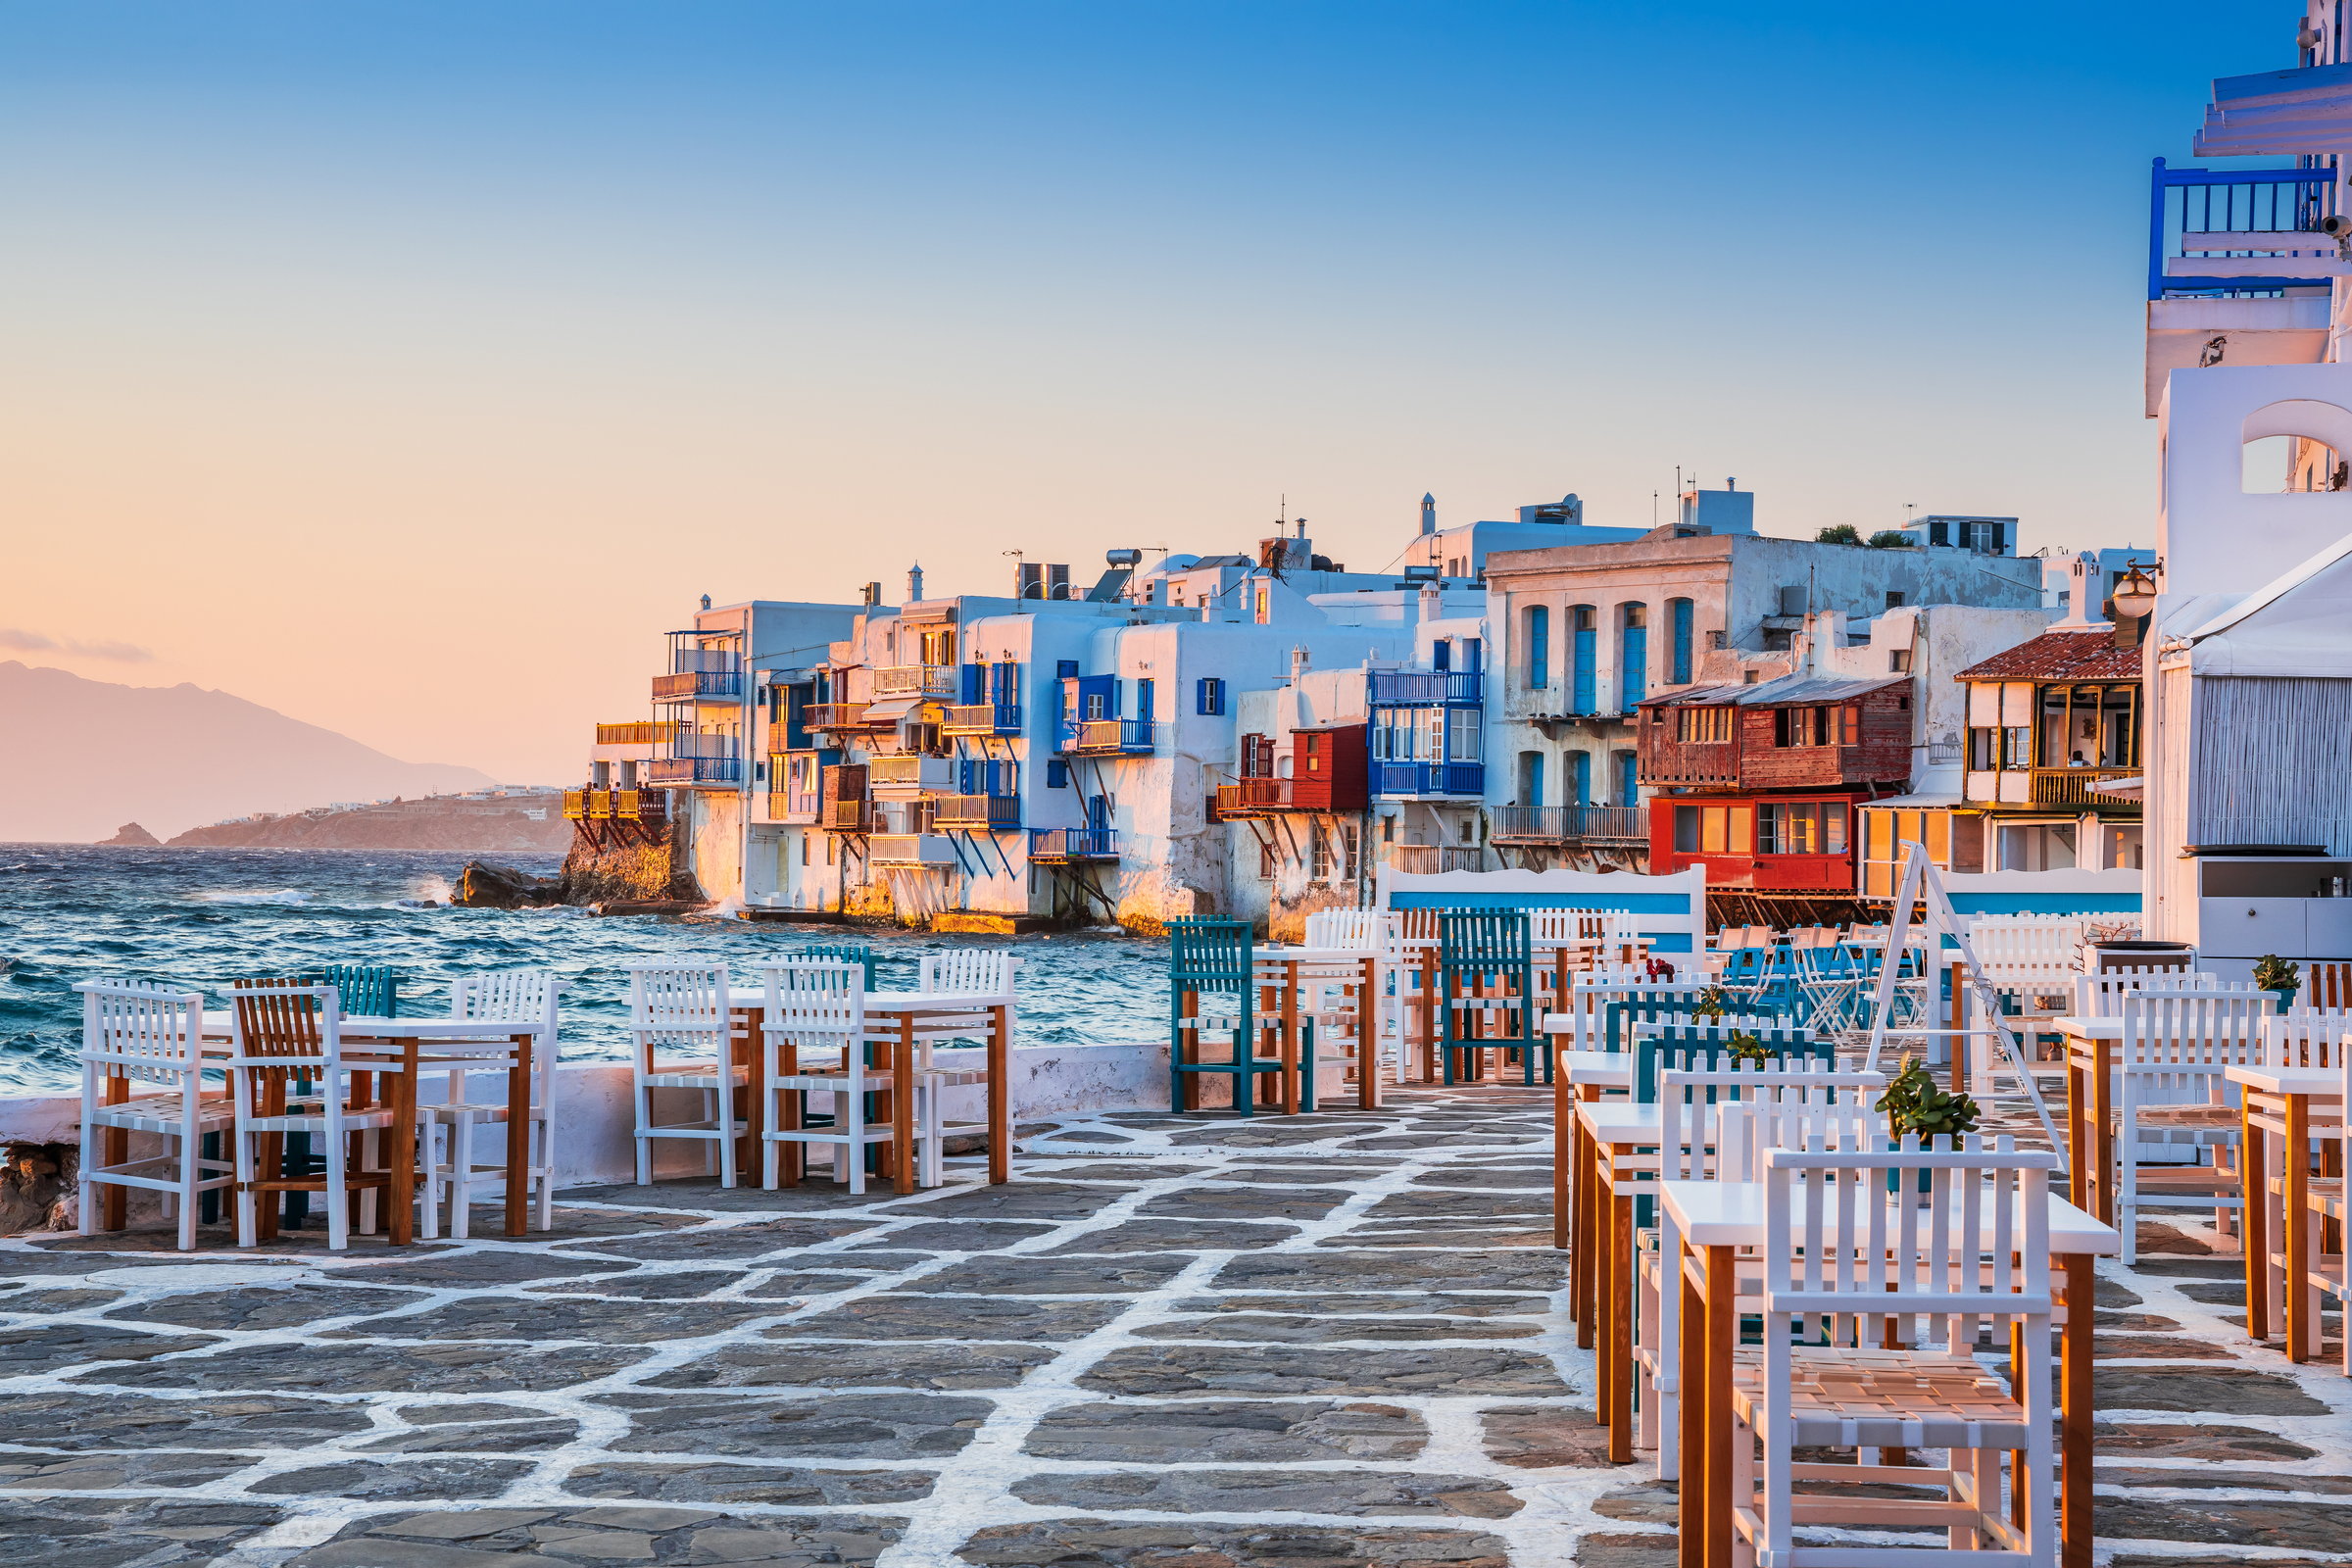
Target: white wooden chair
2327, 1275
1725, 1140
1834, 1242
818, 1010
526, 999
957, 971
1376, 931
684, 1012
2304, 1038
2171, 1095
288, 1033
148, 1035
977, 971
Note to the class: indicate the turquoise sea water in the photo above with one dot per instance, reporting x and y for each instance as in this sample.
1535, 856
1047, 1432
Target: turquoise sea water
204, 917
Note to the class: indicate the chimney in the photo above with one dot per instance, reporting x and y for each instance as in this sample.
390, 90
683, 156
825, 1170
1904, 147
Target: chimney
1729, 483
1431, 600
1299, 661
873, 594
914, 583
1429, 514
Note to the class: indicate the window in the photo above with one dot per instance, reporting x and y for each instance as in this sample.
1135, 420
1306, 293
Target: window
1800, 828
1633, 676
1058, 774
1066, 670
1210, 696
1899, 661
2016, 746
1318, 851
1142, 701
1680, 609
1703, 726
1348, 846
804, 849
1538, 648
1265, 862
1461, 737
1264, 606
1894, 599
939, 648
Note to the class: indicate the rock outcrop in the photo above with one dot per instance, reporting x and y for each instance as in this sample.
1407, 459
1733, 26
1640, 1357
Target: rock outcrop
631, 871
483, 886
131, 836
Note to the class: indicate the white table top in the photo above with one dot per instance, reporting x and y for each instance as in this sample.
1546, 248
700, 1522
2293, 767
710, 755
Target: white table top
1619, 1121
2323, 1081
1732, 1215
356, 1026
936, 1001
1610, 1069
1282, 955
2087, 1028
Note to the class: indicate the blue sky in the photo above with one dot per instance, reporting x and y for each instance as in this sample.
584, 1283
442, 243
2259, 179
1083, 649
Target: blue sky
626, 304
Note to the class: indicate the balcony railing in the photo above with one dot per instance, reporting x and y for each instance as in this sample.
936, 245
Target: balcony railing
1943, 753
1456, 686
697, 684
1429, 778
694, 771
1252, 796
575, 804
623, 805
1565, 825
793, 806
916, 680
912, 848
1426, 859
2236, 230
1106, 737
983, 718
833, 715
1064, 844
2079, 786
845, 816
640, 732
993, 813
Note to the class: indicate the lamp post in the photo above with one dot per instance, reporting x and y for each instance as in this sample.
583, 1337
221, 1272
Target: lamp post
2135, 595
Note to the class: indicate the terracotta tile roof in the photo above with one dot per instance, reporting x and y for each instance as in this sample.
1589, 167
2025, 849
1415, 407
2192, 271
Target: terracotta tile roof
2060, 656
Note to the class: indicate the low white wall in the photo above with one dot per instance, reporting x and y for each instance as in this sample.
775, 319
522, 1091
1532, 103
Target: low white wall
594, 1124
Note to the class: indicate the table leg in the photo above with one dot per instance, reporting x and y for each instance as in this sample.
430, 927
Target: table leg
901, 1105
272, 1159
1690, 1419
114, 1146
1959, 1050
1368, 1037
1723, 1334
1620, 1357
751, 1156
2295, 1153
1000, 1097
1563, 1147
519, 1137
1581, 1254
2102, 1134
792, 1157
2077, 1163
1429, 1016
2075, 1414
2254, 1224
1289, 1040
400, 1152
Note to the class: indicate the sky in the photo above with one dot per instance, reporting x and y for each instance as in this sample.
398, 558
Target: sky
411, 368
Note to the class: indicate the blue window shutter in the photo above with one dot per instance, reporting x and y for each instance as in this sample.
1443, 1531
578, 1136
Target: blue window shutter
1142, 702
1441, 654
1585, 688
1681, 641
1066, 670
1472, 652
1582, 781
995, 776
1201, 696
1058, 774
1538, 648
1119, 695
963, 778
969, 683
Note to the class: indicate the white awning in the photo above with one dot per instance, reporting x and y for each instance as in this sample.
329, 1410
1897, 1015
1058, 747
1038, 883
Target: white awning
890, 710
2276, 114
2298, 625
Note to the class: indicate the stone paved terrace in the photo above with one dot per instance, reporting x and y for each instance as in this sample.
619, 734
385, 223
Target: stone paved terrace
1286, 1342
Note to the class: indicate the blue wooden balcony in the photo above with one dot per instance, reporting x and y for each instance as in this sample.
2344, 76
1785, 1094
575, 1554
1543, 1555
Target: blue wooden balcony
694, 771
1459, 688
983, 718
982, 813
699, 685
1429, 778
2278, 211
1107, 737
1057, 845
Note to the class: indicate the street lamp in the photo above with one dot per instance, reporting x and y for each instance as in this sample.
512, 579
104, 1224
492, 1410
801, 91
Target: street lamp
2135, 594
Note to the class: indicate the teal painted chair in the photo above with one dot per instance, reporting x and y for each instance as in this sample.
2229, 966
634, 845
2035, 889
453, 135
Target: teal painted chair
366, 990
1486, 972
857, 952
1619, 1017
1211, 985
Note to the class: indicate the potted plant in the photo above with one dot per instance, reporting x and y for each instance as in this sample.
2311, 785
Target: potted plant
1744, 1047
1914, 1104
1711, 1004
2279, 978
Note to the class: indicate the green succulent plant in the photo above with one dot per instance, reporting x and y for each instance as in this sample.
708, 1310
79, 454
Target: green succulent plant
1746, 1046
1914, 1104
2273, 974
1711, 1004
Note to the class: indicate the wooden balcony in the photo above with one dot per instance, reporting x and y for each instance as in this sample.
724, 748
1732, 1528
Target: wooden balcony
637, 732
983, 718
1427, 860
2079, 787
976, 812
845, 816
1252, 797
833, 715
1571, 824
700, 686
922, 850
917, 680
1064, 846
616, 806
1107, 737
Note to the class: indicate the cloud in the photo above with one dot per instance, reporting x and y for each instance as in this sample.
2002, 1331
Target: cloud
32, 642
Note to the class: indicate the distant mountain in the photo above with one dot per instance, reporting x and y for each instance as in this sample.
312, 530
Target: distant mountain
88, 756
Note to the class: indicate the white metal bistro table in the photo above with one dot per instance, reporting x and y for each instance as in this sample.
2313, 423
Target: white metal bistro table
1715, 1220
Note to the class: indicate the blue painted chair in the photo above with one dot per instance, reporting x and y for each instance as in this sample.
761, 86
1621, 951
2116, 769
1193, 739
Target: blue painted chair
366, 990
1486, 985
859, 953
1211, 985
1619, 1017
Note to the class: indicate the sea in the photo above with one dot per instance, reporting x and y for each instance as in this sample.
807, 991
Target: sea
202, 918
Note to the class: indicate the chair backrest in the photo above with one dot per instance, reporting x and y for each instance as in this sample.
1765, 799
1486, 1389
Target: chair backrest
2101, 995
818, 1002
1740, 1112
506, 995
1643, 1003
980, 971
1833, 1239
1347, 928
2326, 987
2027, 947
1210, 957
1490, 943
857, 952
2175, 1044
287, 1019
146, 1032
368, 990
1708, 1050
672, 1003
2305, 1037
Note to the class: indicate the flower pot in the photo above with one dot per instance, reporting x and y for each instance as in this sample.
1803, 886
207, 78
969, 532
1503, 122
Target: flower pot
2285, 995
1927, 1178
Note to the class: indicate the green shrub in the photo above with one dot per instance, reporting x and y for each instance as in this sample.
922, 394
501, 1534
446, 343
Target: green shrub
1844, 533
1889, 539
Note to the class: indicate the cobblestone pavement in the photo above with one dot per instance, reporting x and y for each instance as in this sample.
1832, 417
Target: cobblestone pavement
1170, 1342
